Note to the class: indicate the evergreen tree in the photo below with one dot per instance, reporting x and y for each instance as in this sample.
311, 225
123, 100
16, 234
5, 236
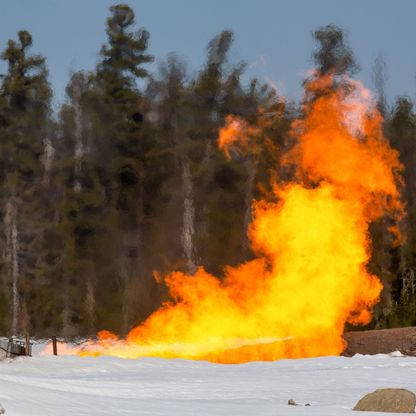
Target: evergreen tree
401, 129
379, 79
83, 204
333, 55
171, 167
122, 141
25, 97
224, 188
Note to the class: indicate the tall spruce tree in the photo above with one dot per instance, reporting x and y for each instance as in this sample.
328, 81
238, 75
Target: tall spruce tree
122, 142
25, 96
82, 208
401, 129
169, 95
224, 188
333, 55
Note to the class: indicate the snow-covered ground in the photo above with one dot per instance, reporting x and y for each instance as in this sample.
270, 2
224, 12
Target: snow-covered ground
74, 386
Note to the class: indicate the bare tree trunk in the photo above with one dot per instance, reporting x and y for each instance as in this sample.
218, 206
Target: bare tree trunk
89, 301
66, 312
251, 166
48, 155
12, 255
79, 150
188, 222
125, 307
87, 265
202, 211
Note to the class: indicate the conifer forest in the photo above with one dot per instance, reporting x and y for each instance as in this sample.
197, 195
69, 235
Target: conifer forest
126, 181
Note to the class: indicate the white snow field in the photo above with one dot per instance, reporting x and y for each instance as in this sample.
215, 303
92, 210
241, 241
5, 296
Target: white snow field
75, 386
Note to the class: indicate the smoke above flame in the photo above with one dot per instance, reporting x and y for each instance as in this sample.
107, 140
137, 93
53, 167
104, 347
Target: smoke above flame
312, 246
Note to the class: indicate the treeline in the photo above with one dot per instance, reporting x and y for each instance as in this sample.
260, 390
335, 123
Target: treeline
127, 183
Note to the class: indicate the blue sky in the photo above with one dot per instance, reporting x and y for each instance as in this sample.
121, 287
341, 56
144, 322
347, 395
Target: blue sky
273, 36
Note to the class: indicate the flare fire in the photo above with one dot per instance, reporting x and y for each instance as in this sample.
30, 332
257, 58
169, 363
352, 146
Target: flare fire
312, 247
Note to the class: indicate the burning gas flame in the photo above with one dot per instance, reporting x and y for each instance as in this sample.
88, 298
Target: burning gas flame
238, 136
312, 247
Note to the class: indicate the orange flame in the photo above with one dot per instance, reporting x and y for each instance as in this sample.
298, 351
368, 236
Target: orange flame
312, 244
237, 135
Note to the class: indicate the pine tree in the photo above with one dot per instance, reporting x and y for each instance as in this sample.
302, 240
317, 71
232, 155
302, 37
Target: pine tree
170, 170
25, 96
225, 188
333, 55
121, 143
82, 207
401, 129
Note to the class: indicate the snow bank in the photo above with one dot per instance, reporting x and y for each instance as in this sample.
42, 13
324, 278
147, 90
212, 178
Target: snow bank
70, 385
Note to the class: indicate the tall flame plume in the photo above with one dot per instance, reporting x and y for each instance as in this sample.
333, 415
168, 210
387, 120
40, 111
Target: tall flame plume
312, 245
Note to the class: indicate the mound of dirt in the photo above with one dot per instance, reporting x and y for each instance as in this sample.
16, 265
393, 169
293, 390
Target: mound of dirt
381, 341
